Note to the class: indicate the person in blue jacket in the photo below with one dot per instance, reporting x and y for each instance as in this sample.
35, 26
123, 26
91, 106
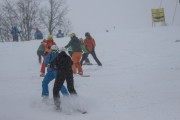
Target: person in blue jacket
59, 34
51, 73
38, 34
14, 33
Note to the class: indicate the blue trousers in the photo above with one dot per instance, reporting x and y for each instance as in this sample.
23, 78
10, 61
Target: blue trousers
50, 75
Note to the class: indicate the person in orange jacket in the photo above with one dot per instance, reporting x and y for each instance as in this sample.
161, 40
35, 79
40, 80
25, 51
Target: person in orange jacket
49, 43
90, 44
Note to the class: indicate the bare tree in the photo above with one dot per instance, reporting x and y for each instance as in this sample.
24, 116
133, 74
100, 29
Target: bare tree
7, 20
67, 26
53, 16
23, 13
28, 16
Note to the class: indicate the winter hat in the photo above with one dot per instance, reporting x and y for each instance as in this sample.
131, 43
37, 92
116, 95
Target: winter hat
54, 48
87, 34
50, 37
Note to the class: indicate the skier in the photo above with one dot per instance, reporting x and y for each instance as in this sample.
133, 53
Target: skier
63, 65
77, 53
51, 73
49, 43
41, 50
85, 54
90, 44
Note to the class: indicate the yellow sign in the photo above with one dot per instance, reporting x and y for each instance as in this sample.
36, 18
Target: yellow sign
158, 15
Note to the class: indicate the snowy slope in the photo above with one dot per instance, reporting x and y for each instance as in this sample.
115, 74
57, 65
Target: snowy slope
139, 79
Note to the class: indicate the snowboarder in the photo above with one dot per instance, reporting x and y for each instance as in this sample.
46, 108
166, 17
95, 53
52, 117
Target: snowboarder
63, 65
85, 54
77, 53
51, 73
90, 44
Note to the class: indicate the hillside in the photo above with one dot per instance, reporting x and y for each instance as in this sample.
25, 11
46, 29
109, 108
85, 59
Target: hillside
139, 79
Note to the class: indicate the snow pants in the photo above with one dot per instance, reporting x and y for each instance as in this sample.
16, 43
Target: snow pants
43, 67
40, 55
76, 57
95, 57
63, 75
84, 58
47, 79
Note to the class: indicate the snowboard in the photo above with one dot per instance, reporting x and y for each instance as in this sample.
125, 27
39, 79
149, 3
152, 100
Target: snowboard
50, 102
85, 75
89, 64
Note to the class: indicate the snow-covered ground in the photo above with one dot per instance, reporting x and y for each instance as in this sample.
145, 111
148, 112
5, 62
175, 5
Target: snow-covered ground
139, 79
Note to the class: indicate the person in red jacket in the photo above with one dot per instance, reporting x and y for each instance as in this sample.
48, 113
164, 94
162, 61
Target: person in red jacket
90, 44
49, 43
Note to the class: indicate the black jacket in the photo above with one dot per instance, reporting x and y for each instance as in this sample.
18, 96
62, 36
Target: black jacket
63, 62
75, 44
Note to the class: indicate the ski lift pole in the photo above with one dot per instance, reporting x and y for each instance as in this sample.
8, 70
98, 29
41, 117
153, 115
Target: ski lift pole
175, 12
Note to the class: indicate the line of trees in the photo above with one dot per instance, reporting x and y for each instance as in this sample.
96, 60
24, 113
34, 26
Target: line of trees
27, 15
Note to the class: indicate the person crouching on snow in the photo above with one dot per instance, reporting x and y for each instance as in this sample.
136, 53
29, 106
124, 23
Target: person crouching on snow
51, 73
64, 70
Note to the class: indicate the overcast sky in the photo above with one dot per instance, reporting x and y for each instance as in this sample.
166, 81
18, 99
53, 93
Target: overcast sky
86, 15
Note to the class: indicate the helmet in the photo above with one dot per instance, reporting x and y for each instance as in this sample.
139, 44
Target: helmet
87, 34
72, 35
54, 48
50, 37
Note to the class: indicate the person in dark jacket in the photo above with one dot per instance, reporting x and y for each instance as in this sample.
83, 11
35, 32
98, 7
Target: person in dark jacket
38, 34
64, 71
15, 32
59, 34
76, 53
